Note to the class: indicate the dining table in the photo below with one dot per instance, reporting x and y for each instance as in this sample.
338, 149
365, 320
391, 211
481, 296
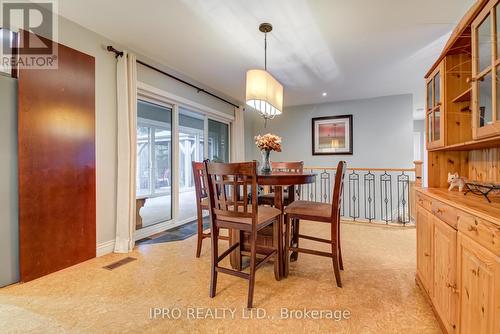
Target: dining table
278, 180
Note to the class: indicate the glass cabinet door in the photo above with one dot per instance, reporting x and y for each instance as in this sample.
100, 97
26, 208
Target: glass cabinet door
485, 100
484, 44
430, 102
435, 108
437, 89
486, 68
429, 127
437, 125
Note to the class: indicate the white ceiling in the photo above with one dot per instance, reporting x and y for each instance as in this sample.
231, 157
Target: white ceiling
350, 49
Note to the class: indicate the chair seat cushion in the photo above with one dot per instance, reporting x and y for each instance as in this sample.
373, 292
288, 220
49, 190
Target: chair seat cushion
308, 208
265, 214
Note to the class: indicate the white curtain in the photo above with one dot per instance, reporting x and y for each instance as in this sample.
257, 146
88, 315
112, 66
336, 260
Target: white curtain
126, 89
238, 136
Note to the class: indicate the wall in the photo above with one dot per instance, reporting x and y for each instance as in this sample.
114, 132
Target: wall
84, 40
167, 84
9, 232
383, 132
419, 126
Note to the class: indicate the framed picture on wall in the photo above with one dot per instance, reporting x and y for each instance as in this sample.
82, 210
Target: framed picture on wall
332, 135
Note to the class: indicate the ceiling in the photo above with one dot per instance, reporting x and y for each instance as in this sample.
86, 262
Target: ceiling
349, 49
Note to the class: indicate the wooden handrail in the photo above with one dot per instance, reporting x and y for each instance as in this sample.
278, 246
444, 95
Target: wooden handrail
417, 169
366, 169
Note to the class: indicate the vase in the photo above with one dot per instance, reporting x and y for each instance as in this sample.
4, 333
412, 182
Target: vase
266, 163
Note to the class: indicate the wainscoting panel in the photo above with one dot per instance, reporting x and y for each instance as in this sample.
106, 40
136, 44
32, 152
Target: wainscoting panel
57, 203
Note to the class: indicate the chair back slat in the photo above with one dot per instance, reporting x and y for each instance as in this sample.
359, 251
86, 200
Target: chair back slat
199, 180
288, 166
338, 188
228, 185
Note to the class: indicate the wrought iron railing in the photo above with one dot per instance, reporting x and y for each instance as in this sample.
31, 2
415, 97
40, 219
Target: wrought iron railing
370, 194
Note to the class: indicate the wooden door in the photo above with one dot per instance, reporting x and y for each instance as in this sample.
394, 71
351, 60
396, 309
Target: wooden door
479, 288
424, 248
444, 278
56, 134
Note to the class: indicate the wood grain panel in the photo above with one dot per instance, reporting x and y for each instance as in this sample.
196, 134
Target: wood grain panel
445, 272
443, 162
57, 165
484, 165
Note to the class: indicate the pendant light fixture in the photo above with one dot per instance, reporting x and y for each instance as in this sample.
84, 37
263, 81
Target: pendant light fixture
263, 92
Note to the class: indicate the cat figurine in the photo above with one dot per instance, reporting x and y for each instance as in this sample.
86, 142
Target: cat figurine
456, 181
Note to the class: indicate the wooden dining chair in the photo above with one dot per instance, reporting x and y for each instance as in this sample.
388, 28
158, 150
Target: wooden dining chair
201, 203
228, 187
289, 166
319, 212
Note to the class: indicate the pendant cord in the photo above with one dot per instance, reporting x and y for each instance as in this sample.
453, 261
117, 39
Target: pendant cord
265, 51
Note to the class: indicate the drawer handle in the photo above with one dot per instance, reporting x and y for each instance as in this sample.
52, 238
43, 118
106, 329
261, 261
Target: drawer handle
427, 254
439, 211
472, 228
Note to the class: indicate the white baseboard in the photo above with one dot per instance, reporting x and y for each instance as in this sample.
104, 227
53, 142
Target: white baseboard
105, 248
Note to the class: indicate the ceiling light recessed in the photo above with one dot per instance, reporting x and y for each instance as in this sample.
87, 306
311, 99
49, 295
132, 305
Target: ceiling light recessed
324, 94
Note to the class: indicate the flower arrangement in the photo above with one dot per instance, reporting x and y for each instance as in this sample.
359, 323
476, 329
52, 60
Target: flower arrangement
268, 142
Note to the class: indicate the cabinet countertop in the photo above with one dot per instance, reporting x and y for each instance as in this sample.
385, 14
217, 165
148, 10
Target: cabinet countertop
470, 203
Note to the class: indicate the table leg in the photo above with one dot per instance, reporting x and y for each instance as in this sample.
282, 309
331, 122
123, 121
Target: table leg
235, 256
294, 223
278, 204
294, 239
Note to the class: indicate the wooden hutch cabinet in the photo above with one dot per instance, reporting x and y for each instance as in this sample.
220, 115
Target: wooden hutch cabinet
458, 236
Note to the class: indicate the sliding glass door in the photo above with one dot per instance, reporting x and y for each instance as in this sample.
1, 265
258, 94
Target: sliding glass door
154, 164
191, 148
218, 141
169, 138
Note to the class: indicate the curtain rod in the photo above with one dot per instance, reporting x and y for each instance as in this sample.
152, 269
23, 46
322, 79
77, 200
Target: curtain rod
199, 89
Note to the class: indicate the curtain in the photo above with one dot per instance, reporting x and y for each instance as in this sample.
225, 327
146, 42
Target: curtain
126, 90
238, 136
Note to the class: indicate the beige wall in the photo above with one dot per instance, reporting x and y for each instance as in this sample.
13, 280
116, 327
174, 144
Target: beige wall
383, 132
9, 245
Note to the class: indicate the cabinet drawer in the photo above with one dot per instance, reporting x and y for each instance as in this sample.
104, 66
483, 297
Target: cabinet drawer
424, 202
485, 233
445, 212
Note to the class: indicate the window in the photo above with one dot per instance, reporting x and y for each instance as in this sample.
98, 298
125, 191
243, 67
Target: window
218, 141
165, 180
191, 146
154, 161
